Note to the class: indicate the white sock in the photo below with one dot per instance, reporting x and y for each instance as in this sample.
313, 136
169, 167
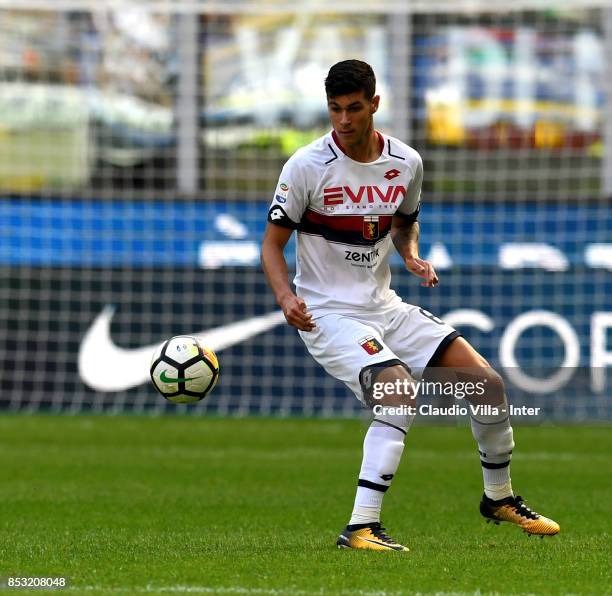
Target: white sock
497, 483
382, 450
495, 444
367, 506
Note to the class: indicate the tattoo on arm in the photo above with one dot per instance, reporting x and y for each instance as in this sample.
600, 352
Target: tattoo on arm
406, 239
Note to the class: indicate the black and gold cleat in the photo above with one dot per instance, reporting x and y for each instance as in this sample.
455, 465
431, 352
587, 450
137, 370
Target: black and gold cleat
514, 510
368, 537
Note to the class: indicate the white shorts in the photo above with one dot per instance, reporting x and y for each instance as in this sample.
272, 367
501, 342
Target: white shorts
344, 344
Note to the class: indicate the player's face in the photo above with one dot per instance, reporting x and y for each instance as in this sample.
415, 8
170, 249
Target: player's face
352, 116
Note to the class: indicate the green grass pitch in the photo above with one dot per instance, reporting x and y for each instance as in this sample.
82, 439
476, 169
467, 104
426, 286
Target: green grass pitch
131, 505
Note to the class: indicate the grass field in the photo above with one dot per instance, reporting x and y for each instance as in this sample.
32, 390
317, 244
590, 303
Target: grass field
253, 506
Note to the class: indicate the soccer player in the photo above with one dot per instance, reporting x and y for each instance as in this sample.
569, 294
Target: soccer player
351, 195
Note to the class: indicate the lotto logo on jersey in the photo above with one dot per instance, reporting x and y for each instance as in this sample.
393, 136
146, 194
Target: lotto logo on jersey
277, 216
370, 227
336, 195
371, 345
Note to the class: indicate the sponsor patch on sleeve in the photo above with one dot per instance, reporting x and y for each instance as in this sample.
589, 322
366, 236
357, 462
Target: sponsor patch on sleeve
282, 192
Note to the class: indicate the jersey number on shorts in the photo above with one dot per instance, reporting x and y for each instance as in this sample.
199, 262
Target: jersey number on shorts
433, 318
367, 378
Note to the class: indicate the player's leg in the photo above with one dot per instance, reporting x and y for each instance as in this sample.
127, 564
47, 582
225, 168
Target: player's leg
491, 428
424, 341
387, 389
353, 351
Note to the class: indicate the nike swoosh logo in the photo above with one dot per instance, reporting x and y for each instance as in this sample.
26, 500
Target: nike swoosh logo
391, 546
166, 379
104, 366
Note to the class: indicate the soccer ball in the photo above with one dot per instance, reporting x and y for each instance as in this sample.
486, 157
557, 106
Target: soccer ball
184, 370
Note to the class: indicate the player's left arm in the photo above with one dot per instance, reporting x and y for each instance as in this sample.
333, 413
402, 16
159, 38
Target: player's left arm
405, 236
405, 227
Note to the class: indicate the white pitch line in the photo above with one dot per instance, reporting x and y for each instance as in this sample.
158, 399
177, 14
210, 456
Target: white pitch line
269, 591
189, 590
226, 590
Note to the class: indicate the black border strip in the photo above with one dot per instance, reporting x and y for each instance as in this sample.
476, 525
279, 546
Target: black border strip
409, 218
334, 158
440, 349
367, 484
490, 466
393, 154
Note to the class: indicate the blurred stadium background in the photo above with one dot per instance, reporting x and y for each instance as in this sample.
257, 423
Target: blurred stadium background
140, 143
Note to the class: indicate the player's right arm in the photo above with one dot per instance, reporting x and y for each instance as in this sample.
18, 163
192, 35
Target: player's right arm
277, 274
289, 203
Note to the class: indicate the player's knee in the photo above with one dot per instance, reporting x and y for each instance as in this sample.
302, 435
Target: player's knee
387, 383
487, 386
387, 388
494, 385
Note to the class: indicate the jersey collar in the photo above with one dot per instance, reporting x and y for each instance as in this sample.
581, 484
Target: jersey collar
381, 142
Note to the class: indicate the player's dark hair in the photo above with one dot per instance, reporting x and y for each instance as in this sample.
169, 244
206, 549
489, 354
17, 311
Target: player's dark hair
350, 76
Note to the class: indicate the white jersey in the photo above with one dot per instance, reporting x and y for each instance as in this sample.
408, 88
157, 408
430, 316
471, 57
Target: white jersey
342, 211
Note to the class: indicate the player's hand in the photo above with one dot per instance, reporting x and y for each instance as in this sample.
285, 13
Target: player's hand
422, 268
296, 313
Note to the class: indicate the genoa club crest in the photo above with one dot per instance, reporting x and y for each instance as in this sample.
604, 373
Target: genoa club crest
370, 227
371, 345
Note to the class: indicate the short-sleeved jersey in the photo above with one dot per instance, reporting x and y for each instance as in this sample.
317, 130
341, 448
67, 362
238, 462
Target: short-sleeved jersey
342, 211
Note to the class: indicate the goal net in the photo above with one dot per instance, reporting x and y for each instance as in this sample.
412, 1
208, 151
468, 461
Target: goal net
140, 144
